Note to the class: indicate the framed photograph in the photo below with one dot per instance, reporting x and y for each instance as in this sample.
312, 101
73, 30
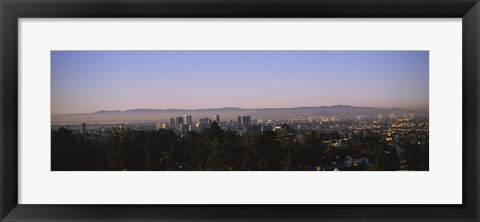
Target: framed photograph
224, 110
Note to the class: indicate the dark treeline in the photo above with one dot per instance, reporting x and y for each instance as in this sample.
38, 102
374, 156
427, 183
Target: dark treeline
217, 149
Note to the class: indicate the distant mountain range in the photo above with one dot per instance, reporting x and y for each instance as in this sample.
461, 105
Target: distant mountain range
336, 108
344, 112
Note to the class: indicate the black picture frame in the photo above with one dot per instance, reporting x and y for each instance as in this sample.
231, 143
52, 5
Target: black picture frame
12, 10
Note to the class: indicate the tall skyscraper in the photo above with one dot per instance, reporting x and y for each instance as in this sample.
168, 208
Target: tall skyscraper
83, 128
246, 120
239, 120
172, 123
187, 119
217, 118
178, 121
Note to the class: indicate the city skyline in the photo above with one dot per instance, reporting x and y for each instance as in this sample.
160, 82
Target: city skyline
90, 81
344, 113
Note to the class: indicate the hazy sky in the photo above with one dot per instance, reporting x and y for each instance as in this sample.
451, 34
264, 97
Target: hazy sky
88, 81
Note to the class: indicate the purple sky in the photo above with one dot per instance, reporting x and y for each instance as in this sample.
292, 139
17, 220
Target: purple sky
88, 81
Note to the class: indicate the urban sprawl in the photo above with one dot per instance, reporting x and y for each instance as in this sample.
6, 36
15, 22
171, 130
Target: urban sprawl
395, 141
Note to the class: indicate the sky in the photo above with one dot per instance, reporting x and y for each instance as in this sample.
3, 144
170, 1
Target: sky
89, 81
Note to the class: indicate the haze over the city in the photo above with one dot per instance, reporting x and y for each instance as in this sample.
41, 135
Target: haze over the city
90, 81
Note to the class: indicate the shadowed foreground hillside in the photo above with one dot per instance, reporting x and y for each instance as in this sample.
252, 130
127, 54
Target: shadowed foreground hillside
215, 149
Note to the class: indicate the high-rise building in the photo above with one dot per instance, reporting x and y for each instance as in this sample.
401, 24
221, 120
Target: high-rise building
217, 118
239, 120
246, 120
172, 123
83, 128
178, 122
204, 120
184, 127
187, 119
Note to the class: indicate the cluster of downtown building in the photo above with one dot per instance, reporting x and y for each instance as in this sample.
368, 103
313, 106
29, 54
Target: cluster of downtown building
179, 124
388, 125
185, 124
